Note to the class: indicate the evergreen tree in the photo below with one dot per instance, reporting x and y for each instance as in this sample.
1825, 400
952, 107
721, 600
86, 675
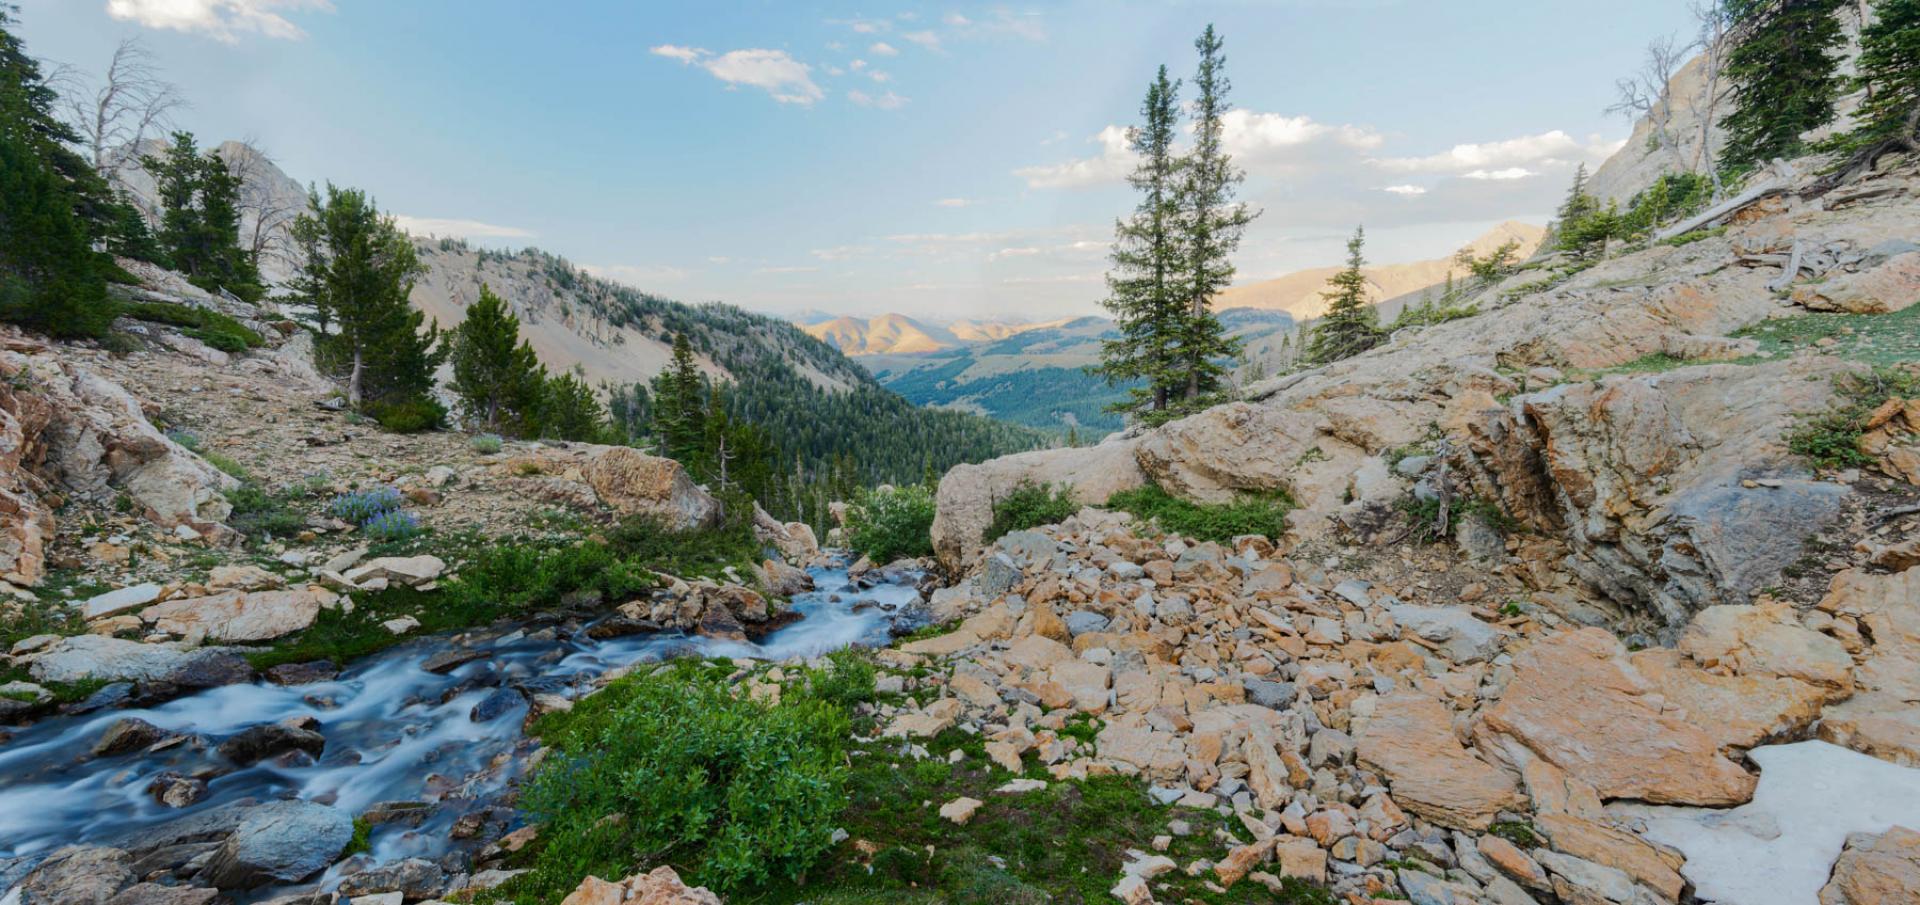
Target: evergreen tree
358, 273
1784, 67
1350, 326
495, 373
679, 410
200, 218
1145, 292
1213, 225
50, 277
568, 410
1889, 67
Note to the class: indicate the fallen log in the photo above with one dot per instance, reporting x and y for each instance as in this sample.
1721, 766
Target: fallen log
1725, 208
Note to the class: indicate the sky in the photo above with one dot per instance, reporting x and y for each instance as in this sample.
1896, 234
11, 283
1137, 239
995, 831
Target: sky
942, 160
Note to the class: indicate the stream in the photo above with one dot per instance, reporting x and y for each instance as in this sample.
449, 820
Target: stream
395, 732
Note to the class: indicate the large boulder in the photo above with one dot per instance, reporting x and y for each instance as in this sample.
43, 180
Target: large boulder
661, 886
968, 492
1409, 740
1876, 869
100, 658
238, 615
633, 483
76, 875
280, 842
1881, 719
1576, 702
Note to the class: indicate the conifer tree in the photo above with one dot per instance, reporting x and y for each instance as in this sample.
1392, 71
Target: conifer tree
679, 404
1889, 67
1145, 289
568, 410
495, 373
358, 273
1784, 67
200, 218
1350, 326
1213, 223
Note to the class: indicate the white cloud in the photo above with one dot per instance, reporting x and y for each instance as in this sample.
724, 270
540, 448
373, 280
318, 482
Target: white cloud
223, 20
841, 252
857, 65
1112, 164
1553, 147
1025, 251
883, 49
1056, 279
788, 80
1500, 175
456, 228
638, 276
926, 39
864, 26
777, 270
956, 202
958, 21
880, 76
1249, 134
887, 101
1405, 191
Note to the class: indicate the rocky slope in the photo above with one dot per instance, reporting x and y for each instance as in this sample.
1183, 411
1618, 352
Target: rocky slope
1298, 293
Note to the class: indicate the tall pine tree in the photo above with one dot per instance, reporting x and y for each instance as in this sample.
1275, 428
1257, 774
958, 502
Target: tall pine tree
199, 199
1890, 69
1351, 325
1146, 289
679, 404
1784, 67
495, 373
1213, 223
358, 273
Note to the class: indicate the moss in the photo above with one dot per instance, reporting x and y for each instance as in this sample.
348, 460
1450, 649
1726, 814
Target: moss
1517, 832
1262, 514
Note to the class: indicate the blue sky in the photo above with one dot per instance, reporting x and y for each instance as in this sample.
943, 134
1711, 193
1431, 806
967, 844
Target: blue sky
944, 160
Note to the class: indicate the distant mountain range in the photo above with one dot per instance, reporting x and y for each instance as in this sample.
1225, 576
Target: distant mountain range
1298, 293
898, 334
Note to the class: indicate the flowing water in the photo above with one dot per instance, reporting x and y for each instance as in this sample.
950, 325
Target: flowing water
394, 731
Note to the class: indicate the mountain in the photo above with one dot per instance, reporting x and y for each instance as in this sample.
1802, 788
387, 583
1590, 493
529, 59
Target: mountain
1036, 374
886, 334
1298, 293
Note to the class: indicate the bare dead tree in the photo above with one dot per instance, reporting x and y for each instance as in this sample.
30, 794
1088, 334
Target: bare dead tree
131, 103
265, 216
1714, 38
1643, 95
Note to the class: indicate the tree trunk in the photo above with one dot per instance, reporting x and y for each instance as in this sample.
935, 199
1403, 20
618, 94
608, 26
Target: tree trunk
353, 381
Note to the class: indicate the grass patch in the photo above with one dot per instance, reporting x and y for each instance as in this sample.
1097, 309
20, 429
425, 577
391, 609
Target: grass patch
1882, 340
362, 840
1030, 505
1688, 238
204, 324
1424, 516
259, 513
1264, 515
1831, 439
1516, 832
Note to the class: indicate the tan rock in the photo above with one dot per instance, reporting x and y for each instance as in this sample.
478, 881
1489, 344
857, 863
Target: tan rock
1891, 286
960, 810
236, 615
1767, 639
1655, 866
1087, 682
1736, 711
1300, 859
1513, 862
1575, 702
1876, 870
1410, 742
967, 492
631, 482
1242, 859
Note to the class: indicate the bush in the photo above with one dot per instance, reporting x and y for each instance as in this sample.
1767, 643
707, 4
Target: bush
408, 416
391, 526
1262, 515
361, 506
740, 793
257, 513
691, 553
487, 444
1030, 505
886, 525
516, 579
1832, 438
204, 324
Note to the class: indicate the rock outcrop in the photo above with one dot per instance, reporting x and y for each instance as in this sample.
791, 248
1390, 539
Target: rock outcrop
633, 483
968, 492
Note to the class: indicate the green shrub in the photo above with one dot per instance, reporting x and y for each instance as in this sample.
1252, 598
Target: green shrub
705, 553
517, 579
1832, 438
408, 416
257, 513
675, 765
204, 324
891, 524
1263, 515
847, 680
1030, 505
1424, 516
487, 444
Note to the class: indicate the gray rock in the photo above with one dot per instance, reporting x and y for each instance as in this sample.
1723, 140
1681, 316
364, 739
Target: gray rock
998, 577
1125, 570
1426, 889
415, 878
1461, 637
1081, 622
496, 705
128, 734
1353, 591
280, 842
120, 601
1593, 881
96, 657
1480, 541
256, 743
1413, 466
1272, 695
76, 875
1329, 747
1028, 547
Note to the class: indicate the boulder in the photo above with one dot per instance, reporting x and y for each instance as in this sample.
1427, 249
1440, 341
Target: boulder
238, 615
1882, 869
1576, 702
100, 658
279, 842
412, 571
128, 734
661, 886
1891, 286
1880, 719
1410, 741
1735, 711
119, 600
631, 482
967, 492
1458, 634
1767, 640
264, 740
75, 875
